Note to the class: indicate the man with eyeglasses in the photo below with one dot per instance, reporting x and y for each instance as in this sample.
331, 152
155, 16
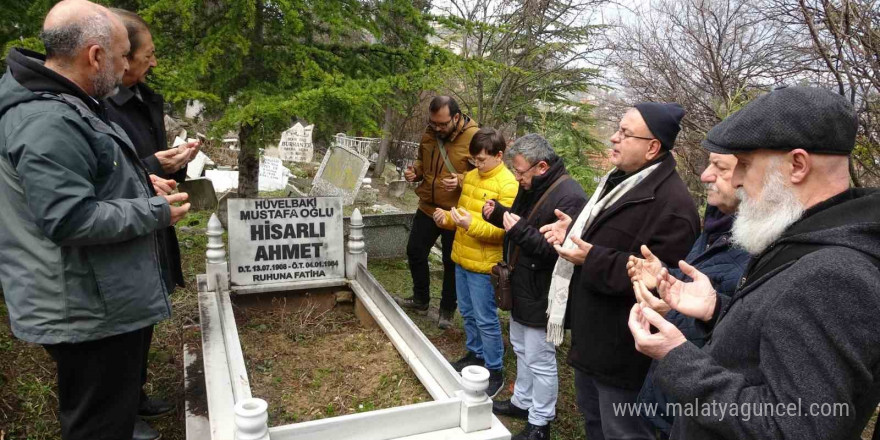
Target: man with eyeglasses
643, 201
544, 185
440, 168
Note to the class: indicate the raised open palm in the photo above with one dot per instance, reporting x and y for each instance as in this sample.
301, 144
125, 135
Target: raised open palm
695, 299
644, 269
555, 232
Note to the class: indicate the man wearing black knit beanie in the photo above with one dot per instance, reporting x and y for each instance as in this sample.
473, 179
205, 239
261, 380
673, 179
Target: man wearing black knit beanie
641, 201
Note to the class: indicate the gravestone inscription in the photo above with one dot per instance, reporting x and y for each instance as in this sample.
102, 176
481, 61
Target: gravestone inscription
282, 240
273, 174
296, 143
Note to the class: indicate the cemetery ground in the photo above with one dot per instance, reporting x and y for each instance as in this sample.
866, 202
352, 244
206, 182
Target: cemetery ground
363, 372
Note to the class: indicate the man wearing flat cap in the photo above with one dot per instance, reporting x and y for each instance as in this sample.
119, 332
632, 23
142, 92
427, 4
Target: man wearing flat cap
795, 352
642, 201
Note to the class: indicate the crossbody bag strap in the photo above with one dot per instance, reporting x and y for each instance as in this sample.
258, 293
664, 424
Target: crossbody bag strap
445, 157
515, 255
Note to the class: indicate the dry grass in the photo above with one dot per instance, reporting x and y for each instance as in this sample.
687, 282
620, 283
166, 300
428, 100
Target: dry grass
309, 365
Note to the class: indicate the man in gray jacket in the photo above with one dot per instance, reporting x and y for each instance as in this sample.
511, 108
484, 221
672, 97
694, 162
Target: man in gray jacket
80, 265
794, 352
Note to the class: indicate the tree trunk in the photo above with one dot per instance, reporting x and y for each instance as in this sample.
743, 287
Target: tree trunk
385, 145
248, 164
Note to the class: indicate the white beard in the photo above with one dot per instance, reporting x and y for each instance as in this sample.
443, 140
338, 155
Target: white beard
760, 222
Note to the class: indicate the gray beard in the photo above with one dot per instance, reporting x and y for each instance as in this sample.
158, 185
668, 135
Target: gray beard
105, 84
761, 221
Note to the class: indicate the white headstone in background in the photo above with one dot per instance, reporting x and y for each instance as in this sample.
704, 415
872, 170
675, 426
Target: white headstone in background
281, 240
223, 180
194, 109
273, 174
195, 167
296, 144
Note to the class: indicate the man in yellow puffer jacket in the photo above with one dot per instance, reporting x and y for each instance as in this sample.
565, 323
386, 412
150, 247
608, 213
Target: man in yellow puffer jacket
478, 247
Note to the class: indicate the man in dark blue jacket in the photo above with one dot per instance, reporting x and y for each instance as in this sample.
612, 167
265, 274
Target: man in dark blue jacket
541, 175
713, 254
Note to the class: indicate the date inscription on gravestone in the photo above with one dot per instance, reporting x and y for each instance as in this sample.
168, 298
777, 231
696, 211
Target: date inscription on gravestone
282, 240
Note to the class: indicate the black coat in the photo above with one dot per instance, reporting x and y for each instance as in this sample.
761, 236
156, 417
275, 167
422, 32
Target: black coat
659, 213
802, 331
530, 279
143, 121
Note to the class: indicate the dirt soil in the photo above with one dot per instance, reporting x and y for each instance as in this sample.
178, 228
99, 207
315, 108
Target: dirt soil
309, 365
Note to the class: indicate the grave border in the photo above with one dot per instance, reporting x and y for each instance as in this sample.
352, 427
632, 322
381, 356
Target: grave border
460, 408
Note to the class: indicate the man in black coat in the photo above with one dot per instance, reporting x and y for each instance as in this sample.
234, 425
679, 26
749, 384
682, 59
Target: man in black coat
537, 168
642, 201
139, 111
794, 352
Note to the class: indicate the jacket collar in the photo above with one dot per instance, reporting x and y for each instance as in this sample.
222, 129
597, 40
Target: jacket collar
493, 172
542, 182
123, 95
126, 94
648, 187
29, 69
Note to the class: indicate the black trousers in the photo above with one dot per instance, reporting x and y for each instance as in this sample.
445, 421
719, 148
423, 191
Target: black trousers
147, 340
422, 236
99, 386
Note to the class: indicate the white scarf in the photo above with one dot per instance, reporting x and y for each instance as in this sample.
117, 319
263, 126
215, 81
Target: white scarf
557, 297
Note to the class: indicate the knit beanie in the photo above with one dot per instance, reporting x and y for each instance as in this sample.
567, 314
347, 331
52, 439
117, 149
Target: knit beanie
663, 119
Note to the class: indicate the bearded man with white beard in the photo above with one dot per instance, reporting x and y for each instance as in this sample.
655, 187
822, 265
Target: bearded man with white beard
713, 254
794, 352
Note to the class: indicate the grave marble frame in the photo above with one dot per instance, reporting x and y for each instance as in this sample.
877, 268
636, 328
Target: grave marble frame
460, 408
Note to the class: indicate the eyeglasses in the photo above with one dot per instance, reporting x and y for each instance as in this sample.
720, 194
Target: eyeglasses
623, 135
436, 125
479, 162
518, 173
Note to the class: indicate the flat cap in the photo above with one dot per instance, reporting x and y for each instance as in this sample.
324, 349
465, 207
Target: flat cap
788, 118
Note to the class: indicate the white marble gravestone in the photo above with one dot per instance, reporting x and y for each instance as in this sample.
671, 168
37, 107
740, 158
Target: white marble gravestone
223, 180
283, 240
341, 174
273, 174
196, 166
296, 144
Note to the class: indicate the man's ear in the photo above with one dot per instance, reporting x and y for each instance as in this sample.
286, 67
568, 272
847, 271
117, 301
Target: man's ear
655, 148
801, 165
96, 56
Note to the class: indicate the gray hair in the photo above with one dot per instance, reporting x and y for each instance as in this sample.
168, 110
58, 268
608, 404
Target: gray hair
134, 25
533, 148
65, 41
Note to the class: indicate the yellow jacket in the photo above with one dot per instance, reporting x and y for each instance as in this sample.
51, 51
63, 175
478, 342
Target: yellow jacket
479, 247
